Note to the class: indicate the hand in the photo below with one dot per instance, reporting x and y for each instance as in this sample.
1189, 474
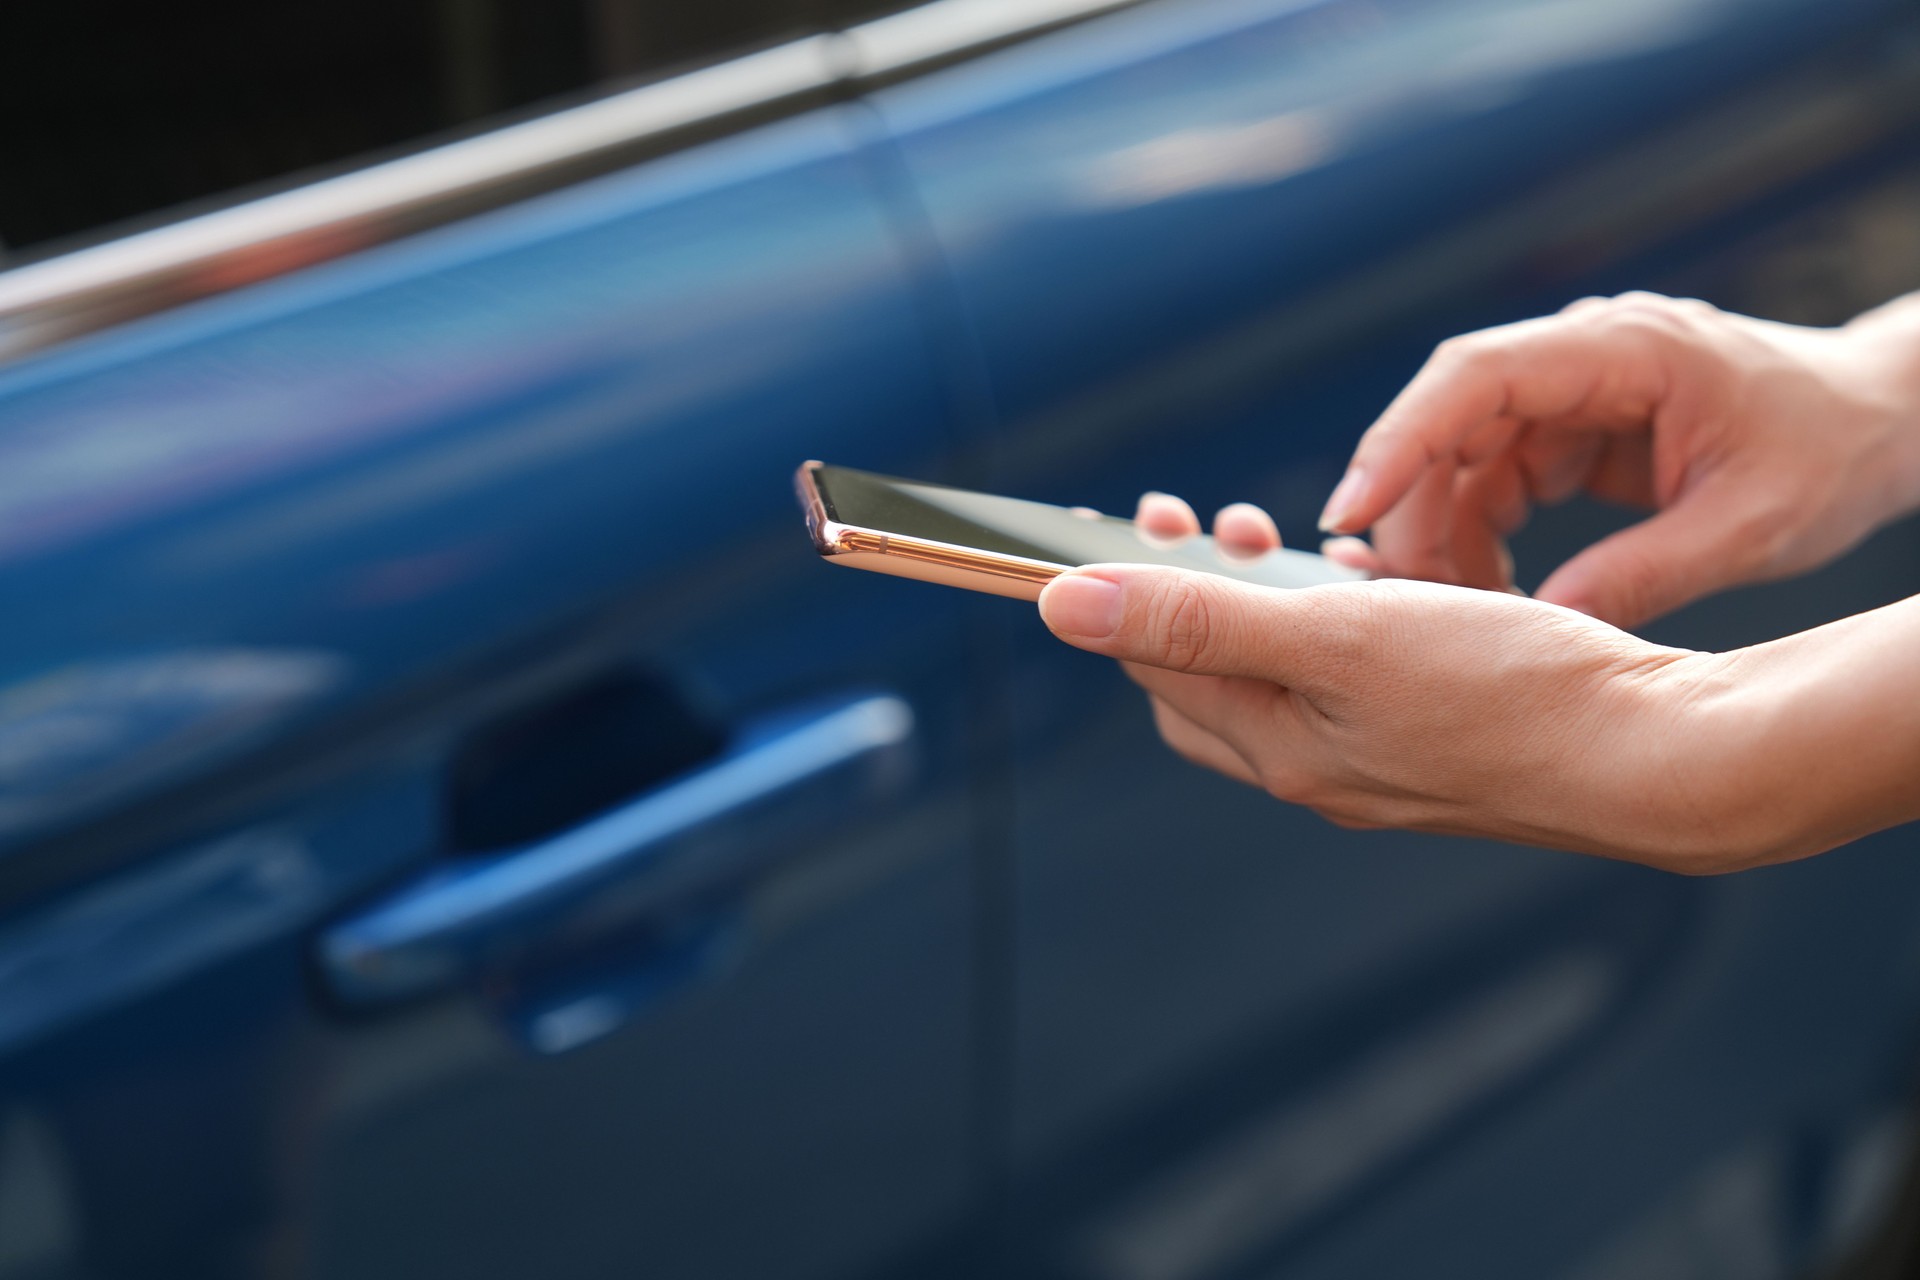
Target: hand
1414, 705
1766, 449
1423, 706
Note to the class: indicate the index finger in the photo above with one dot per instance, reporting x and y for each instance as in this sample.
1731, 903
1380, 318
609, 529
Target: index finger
1559, 368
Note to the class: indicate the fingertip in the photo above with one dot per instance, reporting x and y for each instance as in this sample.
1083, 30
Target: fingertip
1575, 592
1244, 529
1162, 515
1347, 501
1081, 606
1353, 553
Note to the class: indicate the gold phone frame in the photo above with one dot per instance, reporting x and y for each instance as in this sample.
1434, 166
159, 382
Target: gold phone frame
943, 562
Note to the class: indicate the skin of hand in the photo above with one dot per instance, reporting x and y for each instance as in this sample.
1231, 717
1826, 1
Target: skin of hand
1440, 708
1764, 449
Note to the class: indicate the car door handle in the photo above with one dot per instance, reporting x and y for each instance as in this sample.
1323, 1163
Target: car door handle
675, 849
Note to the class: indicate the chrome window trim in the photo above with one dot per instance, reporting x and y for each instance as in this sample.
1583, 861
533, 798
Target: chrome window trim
931, 35
46, 302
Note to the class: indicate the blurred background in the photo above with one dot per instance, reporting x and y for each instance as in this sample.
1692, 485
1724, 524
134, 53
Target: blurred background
452, 826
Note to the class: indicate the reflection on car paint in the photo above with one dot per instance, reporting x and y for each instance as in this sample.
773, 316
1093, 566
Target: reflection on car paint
86, 735
1275, 1172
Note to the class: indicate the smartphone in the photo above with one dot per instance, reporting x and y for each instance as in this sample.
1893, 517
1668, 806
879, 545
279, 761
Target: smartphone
1006, 546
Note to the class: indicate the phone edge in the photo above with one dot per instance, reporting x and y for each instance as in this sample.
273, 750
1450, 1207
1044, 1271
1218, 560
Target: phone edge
944, 563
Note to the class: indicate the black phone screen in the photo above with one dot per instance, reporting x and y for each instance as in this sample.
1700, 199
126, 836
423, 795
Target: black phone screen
1043, 532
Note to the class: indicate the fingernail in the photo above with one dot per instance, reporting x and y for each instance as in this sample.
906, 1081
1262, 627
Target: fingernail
1346, 496
1081, 605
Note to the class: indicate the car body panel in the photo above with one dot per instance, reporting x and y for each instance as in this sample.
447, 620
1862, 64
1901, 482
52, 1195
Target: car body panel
1194, 251
273, 561
907, 950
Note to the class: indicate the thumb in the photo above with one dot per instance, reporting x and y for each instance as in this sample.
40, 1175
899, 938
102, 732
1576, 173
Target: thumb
1177, 620
1669, 559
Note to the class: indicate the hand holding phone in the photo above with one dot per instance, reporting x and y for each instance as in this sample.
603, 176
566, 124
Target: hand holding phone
1007, 546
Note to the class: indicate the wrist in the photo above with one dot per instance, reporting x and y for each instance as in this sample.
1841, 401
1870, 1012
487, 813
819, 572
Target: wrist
1809, 742
1739, 760
1747, 743
1688, 728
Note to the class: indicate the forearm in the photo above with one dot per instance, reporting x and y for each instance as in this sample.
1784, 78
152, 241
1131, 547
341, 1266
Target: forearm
1818, 734
1887, 340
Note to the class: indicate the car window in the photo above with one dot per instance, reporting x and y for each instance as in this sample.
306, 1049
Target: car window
127, 116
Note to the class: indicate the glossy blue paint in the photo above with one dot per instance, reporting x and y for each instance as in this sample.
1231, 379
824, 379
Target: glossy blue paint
270, 562
1059, 1006
135, 936
1196, 250
438, 442
1195, 180
660, 855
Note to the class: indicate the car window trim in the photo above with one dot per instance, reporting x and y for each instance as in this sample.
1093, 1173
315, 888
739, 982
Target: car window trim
59, 298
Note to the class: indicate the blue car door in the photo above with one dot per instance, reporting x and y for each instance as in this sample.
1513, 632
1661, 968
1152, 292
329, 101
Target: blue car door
1195, 247
450, 822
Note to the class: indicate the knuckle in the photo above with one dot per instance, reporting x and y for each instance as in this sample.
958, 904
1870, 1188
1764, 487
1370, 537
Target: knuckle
1634, 316
1764, 534
1653, 306
1281, 781
1464, 351
1635, 587
1653, 315
1180, 624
